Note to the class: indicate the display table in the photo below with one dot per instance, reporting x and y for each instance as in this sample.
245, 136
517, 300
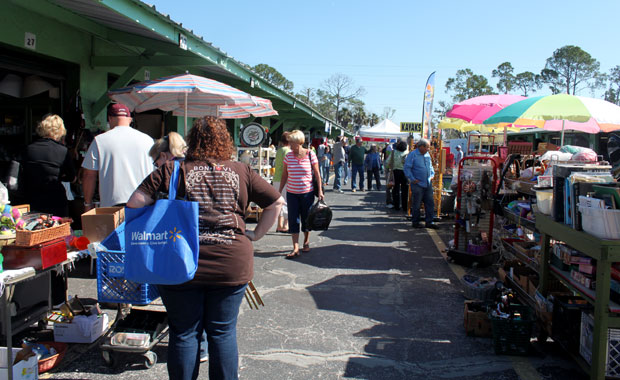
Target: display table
9, 281
605, 252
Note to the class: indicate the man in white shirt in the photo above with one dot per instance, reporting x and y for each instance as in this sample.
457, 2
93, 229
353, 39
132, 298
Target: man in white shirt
118, 158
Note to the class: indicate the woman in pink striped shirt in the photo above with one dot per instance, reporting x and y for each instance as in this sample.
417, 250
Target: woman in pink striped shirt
299, 164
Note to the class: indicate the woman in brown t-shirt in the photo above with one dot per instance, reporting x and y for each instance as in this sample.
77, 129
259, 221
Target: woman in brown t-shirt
225, 264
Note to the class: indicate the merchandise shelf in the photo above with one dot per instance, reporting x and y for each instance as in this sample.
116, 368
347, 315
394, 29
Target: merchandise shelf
605, 252
524, 222
530, 262
523, 295
588, 294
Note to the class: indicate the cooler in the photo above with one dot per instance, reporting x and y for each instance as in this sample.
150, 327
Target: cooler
40, 256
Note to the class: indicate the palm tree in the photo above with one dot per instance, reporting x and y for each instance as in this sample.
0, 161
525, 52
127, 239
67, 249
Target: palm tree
345, 117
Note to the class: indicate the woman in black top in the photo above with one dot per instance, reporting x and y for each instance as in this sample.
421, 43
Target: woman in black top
45, 164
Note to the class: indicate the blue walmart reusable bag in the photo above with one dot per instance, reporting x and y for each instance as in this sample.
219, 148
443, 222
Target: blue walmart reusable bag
161, 241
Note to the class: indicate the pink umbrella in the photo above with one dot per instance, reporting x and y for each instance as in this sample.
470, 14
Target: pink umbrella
478, 109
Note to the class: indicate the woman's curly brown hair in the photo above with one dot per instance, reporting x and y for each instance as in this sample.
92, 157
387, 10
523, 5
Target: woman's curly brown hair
209, 139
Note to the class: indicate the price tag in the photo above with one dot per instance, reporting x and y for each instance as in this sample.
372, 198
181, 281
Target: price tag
30, 41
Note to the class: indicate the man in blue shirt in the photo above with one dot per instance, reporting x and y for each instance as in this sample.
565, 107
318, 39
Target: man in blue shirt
458, 156
419, 171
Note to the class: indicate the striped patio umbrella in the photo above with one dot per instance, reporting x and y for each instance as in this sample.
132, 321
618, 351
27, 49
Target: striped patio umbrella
193, 96
562, 112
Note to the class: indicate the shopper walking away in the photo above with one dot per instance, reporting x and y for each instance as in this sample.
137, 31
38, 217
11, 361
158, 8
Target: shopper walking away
372, 164
173, 147
339, 162
170, 147
419, 171
299, 165
400, 191
211, 300
356, 156
46, 163
325, 163
118, 158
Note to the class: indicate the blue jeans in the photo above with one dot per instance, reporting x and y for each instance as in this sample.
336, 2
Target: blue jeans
355, 169
338, 172
298, 207
325, 173
193, 309
422, 194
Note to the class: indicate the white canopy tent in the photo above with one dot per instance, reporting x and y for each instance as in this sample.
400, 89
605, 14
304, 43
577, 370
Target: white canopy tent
384, 131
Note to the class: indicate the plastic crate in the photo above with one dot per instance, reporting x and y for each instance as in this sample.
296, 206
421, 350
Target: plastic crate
476, 288
612, 364
512, 337
602, 223
113, 287
567, 320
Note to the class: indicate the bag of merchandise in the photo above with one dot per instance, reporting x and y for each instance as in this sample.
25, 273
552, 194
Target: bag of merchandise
161, 240
319, 217
586, 154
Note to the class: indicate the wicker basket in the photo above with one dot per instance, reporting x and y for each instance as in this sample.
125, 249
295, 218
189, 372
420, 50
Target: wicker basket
27, 238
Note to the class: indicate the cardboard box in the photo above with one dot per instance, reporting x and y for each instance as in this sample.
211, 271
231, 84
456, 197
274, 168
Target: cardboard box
82, 329
98, 223
476, 322
23, 370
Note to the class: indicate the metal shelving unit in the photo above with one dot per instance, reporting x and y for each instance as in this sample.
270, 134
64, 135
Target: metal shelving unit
606, 312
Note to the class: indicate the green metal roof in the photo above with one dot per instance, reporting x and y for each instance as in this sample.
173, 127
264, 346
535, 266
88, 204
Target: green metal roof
154, 40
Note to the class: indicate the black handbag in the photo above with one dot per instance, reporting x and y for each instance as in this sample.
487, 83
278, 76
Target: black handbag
319, 217
316, 184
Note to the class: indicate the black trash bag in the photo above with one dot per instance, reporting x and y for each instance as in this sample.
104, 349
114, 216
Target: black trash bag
319, 217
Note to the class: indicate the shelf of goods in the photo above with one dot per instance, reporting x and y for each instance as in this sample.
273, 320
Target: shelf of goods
473, 233
606, 312
519, 220
258, 159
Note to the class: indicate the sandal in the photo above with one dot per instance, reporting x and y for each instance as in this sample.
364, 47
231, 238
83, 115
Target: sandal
292, 255
282, 231
306, 248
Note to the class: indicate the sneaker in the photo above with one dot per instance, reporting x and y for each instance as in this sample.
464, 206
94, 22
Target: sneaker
416, 225
204, 358
340, 191
432, 225
354, 190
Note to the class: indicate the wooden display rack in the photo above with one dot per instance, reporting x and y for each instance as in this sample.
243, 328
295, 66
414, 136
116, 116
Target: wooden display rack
260, 163
606, 312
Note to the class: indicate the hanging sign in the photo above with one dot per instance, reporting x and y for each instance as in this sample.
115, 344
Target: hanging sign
253, 134
410, 127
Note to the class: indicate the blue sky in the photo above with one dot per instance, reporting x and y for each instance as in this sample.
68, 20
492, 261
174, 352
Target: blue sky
390, 47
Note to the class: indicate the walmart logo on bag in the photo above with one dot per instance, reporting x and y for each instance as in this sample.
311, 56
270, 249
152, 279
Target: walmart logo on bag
155, 238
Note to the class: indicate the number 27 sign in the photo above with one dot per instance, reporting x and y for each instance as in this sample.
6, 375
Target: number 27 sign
30, 41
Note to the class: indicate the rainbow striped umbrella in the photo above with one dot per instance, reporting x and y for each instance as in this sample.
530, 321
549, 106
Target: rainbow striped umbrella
193, 96
562, 112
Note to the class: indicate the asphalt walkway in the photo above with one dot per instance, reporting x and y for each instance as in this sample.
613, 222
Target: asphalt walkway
373, 299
